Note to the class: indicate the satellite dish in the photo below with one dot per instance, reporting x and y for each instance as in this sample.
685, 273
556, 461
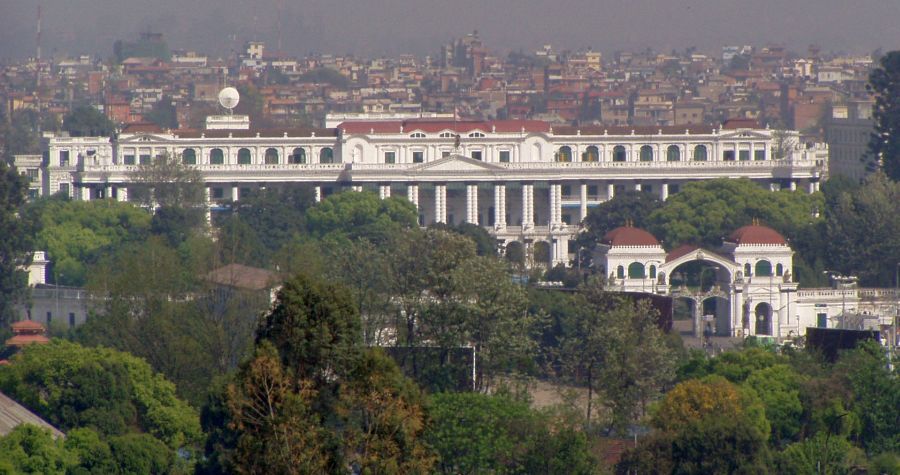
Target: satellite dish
229, 98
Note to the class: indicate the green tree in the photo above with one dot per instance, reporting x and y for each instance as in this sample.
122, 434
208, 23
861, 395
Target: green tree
168, 183
862, 230
326, 76
280, 213
30, 449
72, 386
15, 244
479, 433
361, 215
76, 234
629, 207
779, 389
163, 114
884, 84
822, 453
876, 396
87, 121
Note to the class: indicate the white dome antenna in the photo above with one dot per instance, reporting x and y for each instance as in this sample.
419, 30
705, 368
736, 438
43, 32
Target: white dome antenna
229, 98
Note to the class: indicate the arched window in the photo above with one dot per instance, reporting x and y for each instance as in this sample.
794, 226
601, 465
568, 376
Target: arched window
763, 268
620, 272
779, 270
447, 135
244, 156
646, 153
476, 135
747, 272
636, 271
652, 271
298, 156
591, 154
189, 156
700, 153
326, 155
417, 135
673, 153
619, 154
216, 156
271, 156
564, 154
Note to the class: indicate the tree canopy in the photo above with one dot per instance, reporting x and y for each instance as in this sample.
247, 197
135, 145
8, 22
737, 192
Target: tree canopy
884, 145
87, 121
15, 244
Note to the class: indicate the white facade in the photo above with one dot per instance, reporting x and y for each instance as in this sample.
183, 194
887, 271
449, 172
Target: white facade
524, 180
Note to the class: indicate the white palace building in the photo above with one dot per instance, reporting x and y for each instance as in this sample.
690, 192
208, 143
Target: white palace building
526, 181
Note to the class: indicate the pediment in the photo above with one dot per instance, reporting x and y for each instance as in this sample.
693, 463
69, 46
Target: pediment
144, 138
745, 134
456, 163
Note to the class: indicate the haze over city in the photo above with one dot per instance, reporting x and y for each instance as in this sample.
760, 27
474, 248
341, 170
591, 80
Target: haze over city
407, 26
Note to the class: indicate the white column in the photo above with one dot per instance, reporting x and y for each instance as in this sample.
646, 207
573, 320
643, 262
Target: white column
472, 204
812, 187
440, 203
318, 191
555, 206
772, 186
793, 185
384, 191
122, 193
107, 192
583, 202
207, 204
235, 193
84, 193
356, 188
664, 191
412, 194
637, 186
610, 191
499, 207
527, 206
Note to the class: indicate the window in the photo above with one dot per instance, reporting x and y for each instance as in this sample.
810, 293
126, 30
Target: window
244, 157
49, 318
747, 272
326, 155
216, 156
764, 268
445, 154
144, 159
418, 157
128, 159
647, 188
759, 154
504, 156
619, 154
476, 135
636, 270
564, 154
779, 270
592, 190
744, 155
652, 272
646, 153
728, 155
591, 154
271, 156
700, 153
566, 190
298, 156
417, 135
390, 157
620, 272
218, 193
476, 154
673, 153
71, 319
567, 220
822, 320
189, 156
447, 135
63, 158
64, 189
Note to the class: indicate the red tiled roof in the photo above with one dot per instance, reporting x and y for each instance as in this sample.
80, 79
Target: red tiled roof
756, 234
243, 277
732, 124
141, 127
21, 340
679, 251
435, 126
629, 236
224, 133
27, 325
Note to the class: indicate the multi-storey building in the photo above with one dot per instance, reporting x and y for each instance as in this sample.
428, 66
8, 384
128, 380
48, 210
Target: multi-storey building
525, 180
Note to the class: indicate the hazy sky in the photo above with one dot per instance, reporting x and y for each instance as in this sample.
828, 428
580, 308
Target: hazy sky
420, 26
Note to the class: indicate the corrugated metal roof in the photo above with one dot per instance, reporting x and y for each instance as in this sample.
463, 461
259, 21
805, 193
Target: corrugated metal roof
13, 414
